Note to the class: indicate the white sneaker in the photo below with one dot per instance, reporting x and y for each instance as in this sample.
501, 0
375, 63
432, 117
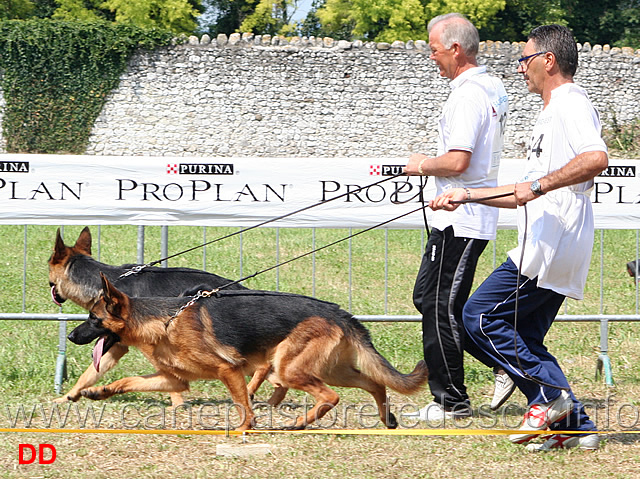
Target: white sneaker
503, 389
435, 412
567, 441
540, 416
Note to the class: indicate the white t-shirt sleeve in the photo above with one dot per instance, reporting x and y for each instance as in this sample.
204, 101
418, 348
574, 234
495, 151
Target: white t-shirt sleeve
582, 126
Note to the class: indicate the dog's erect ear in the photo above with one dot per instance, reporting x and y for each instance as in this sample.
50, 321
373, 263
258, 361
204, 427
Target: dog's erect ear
83, 243
113, 298
59, 248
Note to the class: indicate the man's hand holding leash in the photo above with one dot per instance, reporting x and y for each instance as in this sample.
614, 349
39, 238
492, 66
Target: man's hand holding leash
444, 201
501, 197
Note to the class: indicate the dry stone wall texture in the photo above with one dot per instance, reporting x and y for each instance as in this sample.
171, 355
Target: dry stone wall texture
306, 97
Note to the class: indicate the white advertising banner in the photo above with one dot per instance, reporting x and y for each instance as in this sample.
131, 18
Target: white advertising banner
348, 192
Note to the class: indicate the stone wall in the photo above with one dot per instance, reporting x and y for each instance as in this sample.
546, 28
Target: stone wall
261, 96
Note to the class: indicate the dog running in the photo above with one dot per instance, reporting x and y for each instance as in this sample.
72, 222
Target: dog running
75, 275
307, 342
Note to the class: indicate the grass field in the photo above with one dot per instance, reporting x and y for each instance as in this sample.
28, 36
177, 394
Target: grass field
29, 349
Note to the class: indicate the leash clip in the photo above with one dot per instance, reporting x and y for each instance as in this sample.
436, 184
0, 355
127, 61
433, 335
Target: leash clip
191, 302
207, 294
135, 270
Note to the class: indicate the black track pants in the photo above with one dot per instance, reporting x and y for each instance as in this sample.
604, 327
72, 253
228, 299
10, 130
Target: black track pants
442, 287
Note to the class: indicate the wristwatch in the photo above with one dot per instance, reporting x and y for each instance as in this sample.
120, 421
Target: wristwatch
536, 188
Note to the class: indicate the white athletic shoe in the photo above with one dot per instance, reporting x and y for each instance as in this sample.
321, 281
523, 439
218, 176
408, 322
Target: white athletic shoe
567, 441
503, 389
540, 416
435, 412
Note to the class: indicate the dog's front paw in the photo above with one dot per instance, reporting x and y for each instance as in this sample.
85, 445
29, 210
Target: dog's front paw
67, 398
96, 393
296, 425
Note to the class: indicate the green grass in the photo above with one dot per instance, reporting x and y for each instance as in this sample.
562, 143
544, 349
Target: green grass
29, 349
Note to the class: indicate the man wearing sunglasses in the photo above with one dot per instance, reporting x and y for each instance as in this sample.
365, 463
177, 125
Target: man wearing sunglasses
470, 136
509, 315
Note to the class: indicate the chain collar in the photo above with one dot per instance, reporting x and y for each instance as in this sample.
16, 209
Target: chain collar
192, 301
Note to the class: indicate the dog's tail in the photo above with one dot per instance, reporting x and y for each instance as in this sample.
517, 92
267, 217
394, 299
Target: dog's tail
376, 366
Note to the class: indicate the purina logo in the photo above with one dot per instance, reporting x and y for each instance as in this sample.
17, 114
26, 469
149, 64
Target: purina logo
200, 169
14, 167
385, 170
619, 172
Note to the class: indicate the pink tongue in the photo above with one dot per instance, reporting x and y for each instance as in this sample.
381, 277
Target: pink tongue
53, 295
97, 353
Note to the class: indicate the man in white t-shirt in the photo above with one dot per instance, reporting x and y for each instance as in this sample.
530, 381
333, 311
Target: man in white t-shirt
551, 261
470, 137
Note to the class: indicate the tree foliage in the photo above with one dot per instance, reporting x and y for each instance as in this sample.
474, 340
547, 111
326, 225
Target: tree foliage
613, 22
273, 17
480, 12
379, 20
16, 9
269, 17
389, 20
223, 16
178, 16
56, 76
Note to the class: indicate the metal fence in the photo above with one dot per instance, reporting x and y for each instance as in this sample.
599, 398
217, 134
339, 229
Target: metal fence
596, 312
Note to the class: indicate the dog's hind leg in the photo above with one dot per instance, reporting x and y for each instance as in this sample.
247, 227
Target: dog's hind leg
379, 393
350, 377
326, 399
258, 378
278, 395
259, 375
300, 361
91, 376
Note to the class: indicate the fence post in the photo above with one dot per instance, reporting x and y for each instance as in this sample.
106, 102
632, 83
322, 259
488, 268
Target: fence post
164, 244
140, 245
61, 362
604, 362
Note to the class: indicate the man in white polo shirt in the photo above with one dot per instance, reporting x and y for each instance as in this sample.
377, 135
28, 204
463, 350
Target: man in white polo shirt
509, 315
470, 137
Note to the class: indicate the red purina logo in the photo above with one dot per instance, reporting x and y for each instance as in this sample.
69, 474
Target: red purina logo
45, 454
385, 170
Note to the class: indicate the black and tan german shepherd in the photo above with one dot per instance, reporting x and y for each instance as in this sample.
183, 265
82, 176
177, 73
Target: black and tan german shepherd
308, 342
75, 275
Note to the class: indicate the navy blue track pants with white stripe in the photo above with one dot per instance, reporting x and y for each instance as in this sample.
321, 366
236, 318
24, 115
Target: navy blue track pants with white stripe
488, 319
442, 286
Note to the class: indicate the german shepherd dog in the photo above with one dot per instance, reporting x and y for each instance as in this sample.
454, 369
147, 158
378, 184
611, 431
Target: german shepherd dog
309, 343
75, 275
